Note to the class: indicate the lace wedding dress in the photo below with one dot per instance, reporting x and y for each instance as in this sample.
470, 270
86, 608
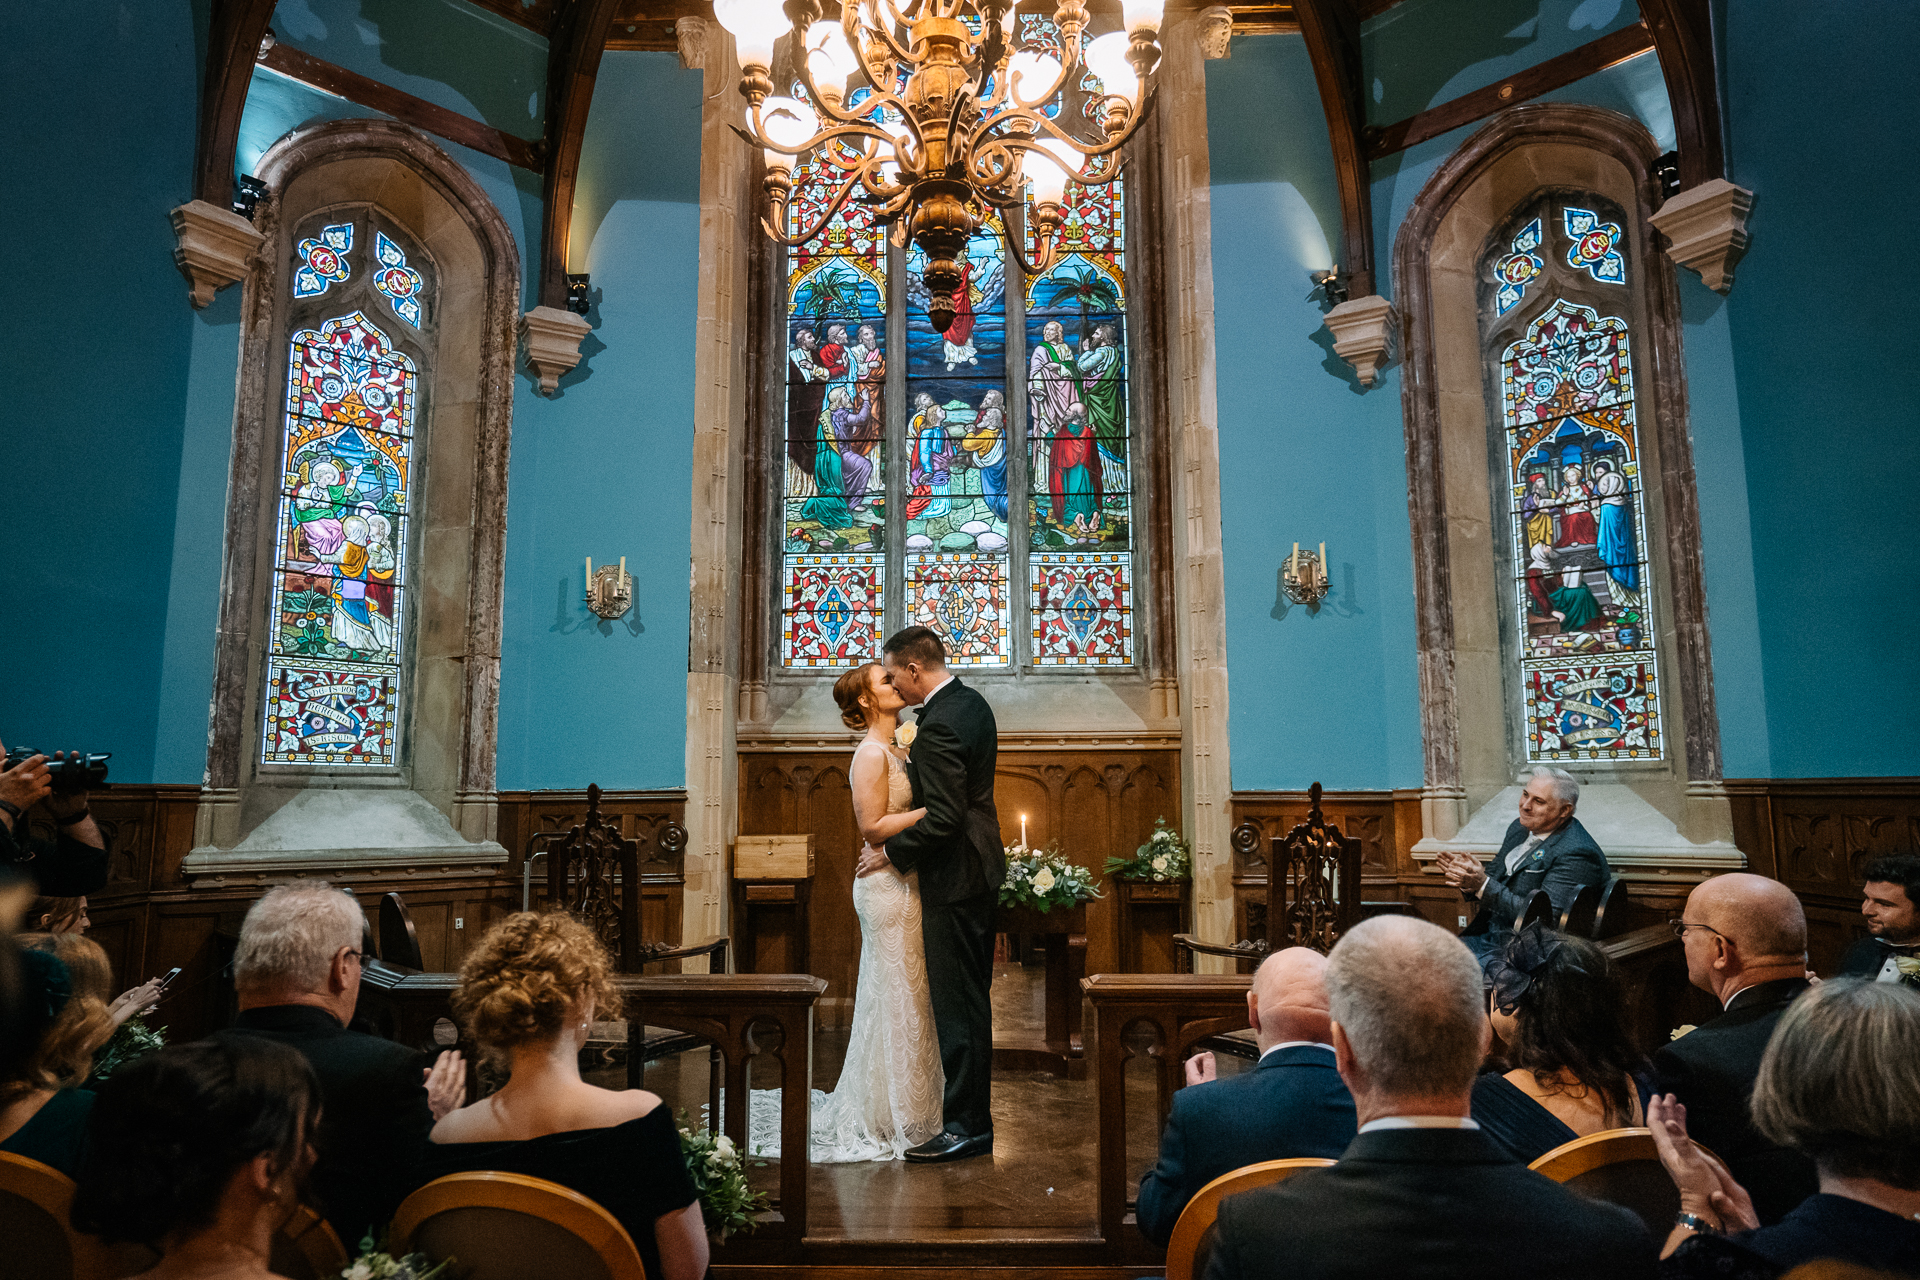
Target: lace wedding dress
889, 1094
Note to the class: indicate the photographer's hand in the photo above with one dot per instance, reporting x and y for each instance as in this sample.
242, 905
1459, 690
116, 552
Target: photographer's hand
23, 786
73, 814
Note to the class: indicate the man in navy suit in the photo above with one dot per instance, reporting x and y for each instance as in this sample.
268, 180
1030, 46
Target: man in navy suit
1546, 848
1291, 1104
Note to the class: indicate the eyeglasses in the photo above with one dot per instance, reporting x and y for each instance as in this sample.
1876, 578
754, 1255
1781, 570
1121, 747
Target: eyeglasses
361, 956
1680, 928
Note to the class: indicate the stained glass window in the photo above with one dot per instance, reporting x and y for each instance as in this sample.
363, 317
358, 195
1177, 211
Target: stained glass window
982, 484
346, 484
1587, 665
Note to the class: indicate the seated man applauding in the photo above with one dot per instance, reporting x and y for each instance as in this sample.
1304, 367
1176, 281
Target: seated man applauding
1421, 1192
1291, 1104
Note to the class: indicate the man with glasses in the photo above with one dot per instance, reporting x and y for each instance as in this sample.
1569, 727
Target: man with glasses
297, 972
1746, 945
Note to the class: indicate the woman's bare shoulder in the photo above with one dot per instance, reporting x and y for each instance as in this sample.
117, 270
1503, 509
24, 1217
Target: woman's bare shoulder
608, 1107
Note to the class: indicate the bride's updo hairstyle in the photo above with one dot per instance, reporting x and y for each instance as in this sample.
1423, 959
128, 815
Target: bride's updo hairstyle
849, 689
527, 978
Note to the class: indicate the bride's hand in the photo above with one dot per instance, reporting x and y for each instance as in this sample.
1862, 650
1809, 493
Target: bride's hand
871, 860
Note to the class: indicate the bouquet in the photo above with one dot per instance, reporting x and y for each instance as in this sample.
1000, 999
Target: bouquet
1164, 857
131, 1039
1045, 880
1909, 970
727, 1203
375, 1263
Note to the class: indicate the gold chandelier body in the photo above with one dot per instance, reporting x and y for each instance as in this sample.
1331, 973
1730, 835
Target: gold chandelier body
961, 134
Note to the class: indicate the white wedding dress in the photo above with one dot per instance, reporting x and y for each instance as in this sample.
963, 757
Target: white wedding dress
891, 1088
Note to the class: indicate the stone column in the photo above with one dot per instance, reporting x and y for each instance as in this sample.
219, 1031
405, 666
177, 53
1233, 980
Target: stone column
720, 327
1206, 782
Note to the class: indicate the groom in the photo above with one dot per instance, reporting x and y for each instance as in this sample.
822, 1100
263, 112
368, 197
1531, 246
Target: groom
956, 848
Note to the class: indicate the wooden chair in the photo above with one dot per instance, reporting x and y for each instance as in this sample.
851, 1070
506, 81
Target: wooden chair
1192, 1237
399, 944
1577, 920
35, 1200
1610, 917
308, 1248
1313, 890
1620, 1166
1539, 910
504, 1226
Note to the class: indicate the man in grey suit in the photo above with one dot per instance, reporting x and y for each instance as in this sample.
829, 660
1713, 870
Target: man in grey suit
1546, 848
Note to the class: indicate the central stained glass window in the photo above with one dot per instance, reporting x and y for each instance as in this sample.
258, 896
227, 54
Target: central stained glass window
980, 481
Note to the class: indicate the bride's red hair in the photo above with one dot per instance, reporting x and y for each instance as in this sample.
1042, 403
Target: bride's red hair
848, 691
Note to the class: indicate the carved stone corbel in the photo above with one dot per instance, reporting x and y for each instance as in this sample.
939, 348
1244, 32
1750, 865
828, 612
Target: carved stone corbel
1216, 32
1706, 230
1363, 331
212, 247
691, 34
552, 338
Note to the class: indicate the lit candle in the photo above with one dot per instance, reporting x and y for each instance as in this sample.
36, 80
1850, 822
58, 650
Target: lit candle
1324, 579
1023, 831
1293, 563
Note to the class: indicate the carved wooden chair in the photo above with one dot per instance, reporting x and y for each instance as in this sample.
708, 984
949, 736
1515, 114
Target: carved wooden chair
1619, 1166
399, 943
1313, 890
503, 1226
1192, 1238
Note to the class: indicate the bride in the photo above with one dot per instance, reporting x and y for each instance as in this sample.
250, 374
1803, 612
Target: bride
889, 1093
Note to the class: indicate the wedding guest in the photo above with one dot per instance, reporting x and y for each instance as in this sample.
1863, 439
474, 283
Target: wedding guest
43, 1110
1840, 1084
58, 915
1292, 1103
1558, 1009
1421, 1191
201, 1151
297, 972
1746, 944
1890, 900
528, 993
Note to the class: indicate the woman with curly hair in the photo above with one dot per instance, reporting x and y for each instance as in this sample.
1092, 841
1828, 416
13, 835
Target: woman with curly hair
1558, 1010
528, 993
43, 1111
201, 1151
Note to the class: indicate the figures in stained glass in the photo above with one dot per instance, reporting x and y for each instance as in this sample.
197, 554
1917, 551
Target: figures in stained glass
1516, 270
397, 282
323, 261
1595, 246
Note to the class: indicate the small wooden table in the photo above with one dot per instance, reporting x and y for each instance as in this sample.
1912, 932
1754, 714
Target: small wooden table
1059, 1050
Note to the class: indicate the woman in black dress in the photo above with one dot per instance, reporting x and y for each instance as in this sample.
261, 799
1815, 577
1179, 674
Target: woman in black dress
1840, 1082
43, 1110
527, 995
1558, 1010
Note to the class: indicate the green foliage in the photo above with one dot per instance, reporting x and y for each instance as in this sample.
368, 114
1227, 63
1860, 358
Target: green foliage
1045, 881
375, 1263
131, 1039
1164, 858
727, 1203
1079, 285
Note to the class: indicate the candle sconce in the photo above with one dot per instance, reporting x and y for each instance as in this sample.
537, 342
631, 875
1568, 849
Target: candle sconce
610, 590
1303, 576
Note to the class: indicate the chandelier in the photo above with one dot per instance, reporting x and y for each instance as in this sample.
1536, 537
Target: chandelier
953, 119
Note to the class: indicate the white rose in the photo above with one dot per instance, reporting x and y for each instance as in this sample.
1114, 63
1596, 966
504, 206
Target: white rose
905, 734
1044, 880
724, 1146
1160, 863
362, 1270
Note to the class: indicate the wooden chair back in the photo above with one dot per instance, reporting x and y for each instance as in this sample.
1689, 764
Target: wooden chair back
504, 1226
1619, 1166
1610, 917
1312, 893
1192, 1238
1577, 920
35, 1200
1539, 910
399, 943
308, 1248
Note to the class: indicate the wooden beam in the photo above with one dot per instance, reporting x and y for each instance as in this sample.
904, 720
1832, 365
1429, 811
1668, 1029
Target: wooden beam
573, 61
1333, 42
1576, 64
1683, 34
234, 32
402, 106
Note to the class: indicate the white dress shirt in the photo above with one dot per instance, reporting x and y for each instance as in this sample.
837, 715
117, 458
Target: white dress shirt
921, 705
1522, 851
1294, 1044
1419, 1122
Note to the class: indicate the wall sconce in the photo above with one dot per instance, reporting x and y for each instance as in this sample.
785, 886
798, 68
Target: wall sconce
577, 286
1304, 576
610, 591
1330, 285
248, 192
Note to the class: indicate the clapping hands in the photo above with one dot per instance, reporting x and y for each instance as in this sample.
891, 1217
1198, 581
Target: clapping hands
1705, 1186
446, 1084
1462, 871
1200, 1068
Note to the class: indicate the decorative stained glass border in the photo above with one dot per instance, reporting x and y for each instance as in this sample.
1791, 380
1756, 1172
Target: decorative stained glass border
319, 712
1082, 609
1592, 709
831, 610
964, 598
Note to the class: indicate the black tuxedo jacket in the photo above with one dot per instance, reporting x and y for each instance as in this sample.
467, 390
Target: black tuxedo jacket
956, 848
1868, 955
1564, 862
1293, 1103
375, 1118
1711, 1070
1433, 1203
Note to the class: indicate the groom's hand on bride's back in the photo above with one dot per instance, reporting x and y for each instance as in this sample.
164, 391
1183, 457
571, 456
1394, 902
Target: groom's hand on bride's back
871, 860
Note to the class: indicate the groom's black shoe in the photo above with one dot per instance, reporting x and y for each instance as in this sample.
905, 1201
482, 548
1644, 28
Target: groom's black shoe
951, 1146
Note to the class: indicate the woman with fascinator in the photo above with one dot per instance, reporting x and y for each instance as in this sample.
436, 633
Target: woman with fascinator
1557, 1010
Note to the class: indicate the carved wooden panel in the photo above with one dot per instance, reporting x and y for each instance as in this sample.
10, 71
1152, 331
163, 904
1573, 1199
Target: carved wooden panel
1818, 834
638, 815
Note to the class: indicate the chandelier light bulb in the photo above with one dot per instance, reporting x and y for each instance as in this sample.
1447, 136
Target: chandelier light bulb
830, 57
1050, 179
755, 25
788, 122
1107, 58
1032, 74
1141, 15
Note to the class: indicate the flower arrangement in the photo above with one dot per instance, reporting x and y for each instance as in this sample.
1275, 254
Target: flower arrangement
1909, 970
131, 1039
1163, 858
375, 1263
1045, 880
727, 1203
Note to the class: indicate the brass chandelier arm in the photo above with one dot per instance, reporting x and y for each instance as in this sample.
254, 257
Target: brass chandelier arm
1039, 266
833, 206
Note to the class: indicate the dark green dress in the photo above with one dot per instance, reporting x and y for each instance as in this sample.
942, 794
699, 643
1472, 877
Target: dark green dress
56, 1132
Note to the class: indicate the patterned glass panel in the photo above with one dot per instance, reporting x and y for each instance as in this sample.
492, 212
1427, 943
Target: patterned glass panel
336, 625
964, 598
1082, 609
397, 282
1588, 666
831, 613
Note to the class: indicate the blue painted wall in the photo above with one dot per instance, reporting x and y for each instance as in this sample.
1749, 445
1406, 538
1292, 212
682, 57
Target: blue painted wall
605, 468
119, 415
1331, 696
1824, 368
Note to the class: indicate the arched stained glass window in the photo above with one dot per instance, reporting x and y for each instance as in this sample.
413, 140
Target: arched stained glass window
979, 481
1555, 294
336, 634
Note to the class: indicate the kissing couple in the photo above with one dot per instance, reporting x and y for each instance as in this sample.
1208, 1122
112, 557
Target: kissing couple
917, 1078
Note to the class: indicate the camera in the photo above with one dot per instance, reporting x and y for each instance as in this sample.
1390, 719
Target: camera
80, 771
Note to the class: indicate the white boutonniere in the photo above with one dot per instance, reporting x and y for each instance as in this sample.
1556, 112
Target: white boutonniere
903, 736
1677, 1032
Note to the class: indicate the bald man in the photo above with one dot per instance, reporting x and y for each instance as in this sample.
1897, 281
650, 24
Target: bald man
1291, 1104
1746, 944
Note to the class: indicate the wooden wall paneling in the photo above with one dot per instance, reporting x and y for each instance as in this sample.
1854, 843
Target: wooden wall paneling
808, 794
640, 816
